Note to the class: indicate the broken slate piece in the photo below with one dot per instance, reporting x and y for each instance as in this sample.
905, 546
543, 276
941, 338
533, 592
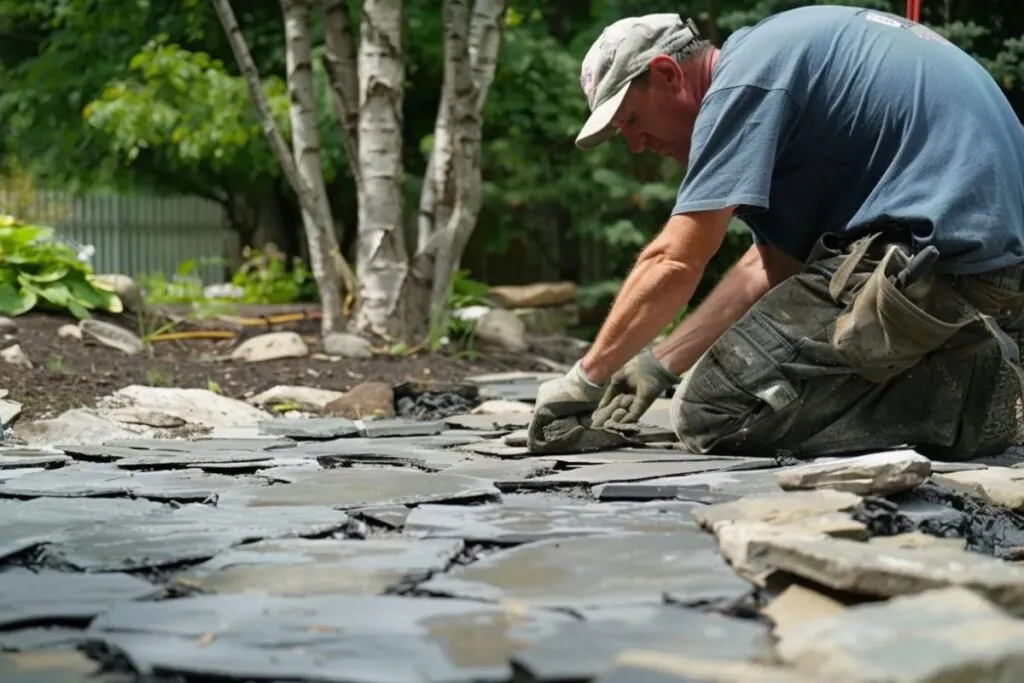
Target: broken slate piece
51, 666
84, 481
876, 474
599, 571
388, 452
40, 459
352, 487
155, 461
496, 448
800, 508
997, 485
511, 524
642, 491
40, 638
624, 455
311, 428
645, 666
944, 635
391, 516
573, 435
323, 638
203, 443
594, 645
186, 534
32, 599
490, 422
398, 427
299, 566
634, 471
733, 481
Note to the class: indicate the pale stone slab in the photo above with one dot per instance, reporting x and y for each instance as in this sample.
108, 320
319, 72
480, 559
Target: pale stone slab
877, 474
999, 485
787, 508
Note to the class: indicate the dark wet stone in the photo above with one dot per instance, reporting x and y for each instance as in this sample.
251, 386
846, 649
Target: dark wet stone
353, 487
313, 428
88, 480
398, 427
296, 566
643, 491
635, 471
392, 516
324, 638
605, 570
49, 597
594, 644
523, 523
189, 533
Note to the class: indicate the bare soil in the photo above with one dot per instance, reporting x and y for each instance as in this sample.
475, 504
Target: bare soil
73, 373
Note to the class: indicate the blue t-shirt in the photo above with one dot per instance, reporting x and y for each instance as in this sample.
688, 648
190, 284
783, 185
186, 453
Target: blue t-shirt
824, 118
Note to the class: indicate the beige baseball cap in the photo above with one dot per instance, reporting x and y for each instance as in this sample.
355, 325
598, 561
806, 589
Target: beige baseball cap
622, 52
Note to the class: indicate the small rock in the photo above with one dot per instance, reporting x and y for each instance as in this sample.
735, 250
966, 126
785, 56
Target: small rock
537, 294
999, 485
149, 418
69, 331
366, 400
502, 328
125, 288
7, 325
347, 345
305, 398
199, 407
950, 634
75, 427
877, 474
111, 335
501, 407
9, 411
15, 356
270, 346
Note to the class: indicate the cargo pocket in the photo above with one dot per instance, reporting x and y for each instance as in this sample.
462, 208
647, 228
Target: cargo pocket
885, 330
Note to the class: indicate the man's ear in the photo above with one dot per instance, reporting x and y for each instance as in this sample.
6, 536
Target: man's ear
665, 71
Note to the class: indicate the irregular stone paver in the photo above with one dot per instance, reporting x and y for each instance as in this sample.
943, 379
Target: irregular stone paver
878, 474
384, 453
39, 638
644, 665
605, 570
29, 598
497, 448
950, 634
490, 422
624, 455
188, 533
16, 458
83, 481
313, 428
351, 487
495, 469
916, 539
798, 604
299, 566
582, 650
875, 570
158, 461
201, 443
51, 666
398, 427
509, 523
822, 511
730, 482
999, 485
634, 471
391, 516
324, 638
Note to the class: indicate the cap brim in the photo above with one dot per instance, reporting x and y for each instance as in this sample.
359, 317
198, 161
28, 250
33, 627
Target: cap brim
598, 128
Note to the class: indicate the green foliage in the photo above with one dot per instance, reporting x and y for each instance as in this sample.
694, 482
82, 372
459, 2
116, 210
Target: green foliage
268, 276
38, 271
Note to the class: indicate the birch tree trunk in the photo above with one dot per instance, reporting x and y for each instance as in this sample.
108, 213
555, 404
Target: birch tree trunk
382, 260
305, 177
343, 75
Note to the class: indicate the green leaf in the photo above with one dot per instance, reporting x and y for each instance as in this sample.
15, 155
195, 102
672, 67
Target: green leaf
14, 302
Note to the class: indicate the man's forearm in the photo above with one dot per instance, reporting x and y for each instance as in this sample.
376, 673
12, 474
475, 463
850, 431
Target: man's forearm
745, 283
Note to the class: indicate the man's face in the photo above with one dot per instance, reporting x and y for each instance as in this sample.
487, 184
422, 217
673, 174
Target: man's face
659, 111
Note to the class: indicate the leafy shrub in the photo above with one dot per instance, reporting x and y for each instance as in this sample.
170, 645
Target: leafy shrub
39, 271
267, 277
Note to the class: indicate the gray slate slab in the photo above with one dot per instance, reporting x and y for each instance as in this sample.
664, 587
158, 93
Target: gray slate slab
389, 451
582, 650
29, 457
625, 455
40, 638
397, 427
636, 471
353, 487
204, 444
188, 533
392, 516
52, 666
299, 566
593, 571
324, 638
490, 422
313, 428
522, 523
734, 482
29, 598
90, 480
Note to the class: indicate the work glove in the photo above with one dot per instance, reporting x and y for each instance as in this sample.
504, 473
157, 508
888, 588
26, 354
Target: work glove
570, 396
633, 389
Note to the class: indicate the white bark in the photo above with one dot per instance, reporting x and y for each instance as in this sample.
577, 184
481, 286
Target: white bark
452, 192
382, 260
326, 261
343, 74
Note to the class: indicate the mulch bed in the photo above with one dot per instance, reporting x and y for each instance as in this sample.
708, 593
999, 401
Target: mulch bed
73, 373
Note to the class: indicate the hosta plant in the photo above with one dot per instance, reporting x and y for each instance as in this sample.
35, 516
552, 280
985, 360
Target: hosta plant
40, 272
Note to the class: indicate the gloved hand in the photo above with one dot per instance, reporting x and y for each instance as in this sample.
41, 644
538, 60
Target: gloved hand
571, 396
633, 389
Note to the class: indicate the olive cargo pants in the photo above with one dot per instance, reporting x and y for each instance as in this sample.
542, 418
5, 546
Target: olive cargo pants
855, 354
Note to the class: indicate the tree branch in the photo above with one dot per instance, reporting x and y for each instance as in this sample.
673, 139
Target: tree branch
343, 74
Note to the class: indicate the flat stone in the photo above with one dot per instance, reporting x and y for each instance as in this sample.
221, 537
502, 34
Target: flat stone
383, 452
642, 491
297, 566
51, 666
325, 638
582, 650
998, 485
874, 570
497, 448
352, 487
391, 516
875, 474
74, 426
141, 416
152, 460
312, 428
507, 523
916, 539
491, 421
305, 398
32, 599
367, 400
189, 533
635, 471
496, 469
398, 427
645, 666
950, 634
625, 455
501, 408
13, 460
605, 570
199, 407
204, 444
735, 482
819, 510
84, 481
270, 346
797, 605
40, 638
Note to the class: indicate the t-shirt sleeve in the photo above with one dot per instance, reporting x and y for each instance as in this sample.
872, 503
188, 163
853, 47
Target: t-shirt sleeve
736, 140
